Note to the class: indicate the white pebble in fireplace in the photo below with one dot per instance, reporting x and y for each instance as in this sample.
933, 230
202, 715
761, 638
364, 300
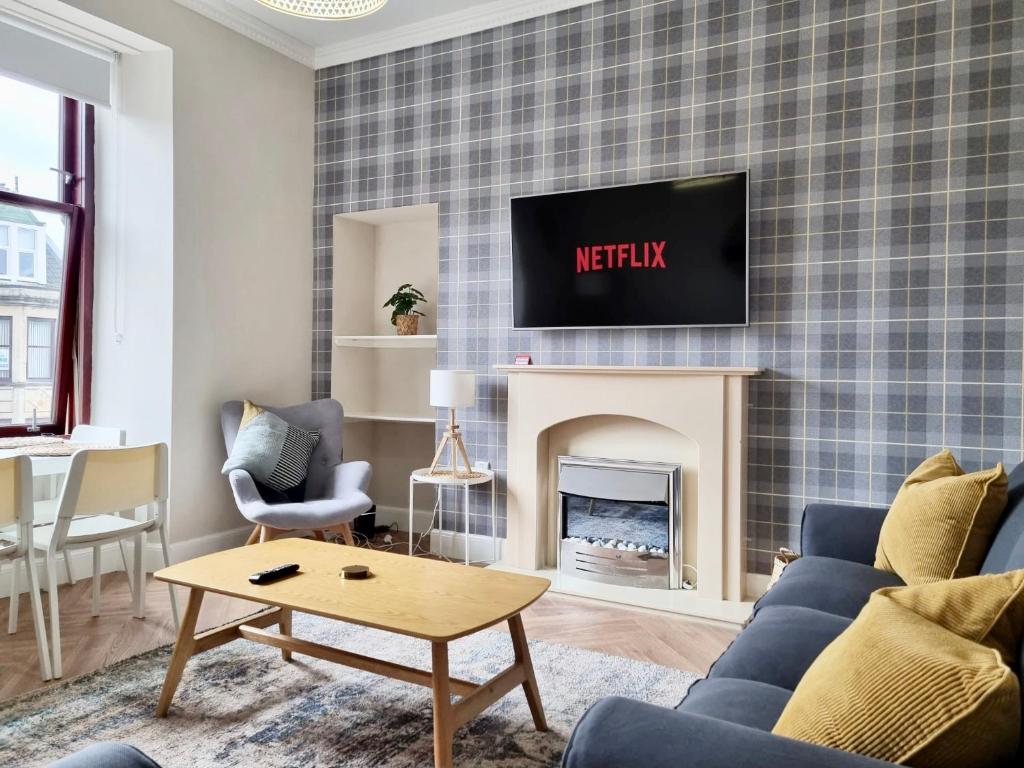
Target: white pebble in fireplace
620, 521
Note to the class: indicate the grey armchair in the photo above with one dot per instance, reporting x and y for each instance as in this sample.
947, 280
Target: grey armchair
336, 491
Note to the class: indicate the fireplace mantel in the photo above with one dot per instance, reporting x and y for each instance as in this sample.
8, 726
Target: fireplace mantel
705, 405
633, 370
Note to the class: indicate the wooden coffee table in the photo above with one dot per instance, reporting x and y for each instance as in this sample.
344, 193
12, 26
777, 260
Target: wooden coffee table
435, 601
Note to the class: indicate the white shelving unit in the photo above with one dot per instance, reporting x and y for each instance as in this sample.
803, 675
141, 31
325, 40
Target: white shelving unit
392, 417
382, 379
420, 341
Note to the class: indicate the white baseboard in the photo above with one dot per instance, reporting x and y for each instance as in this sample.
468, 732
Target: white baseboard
452, 544
399, 516
756, 585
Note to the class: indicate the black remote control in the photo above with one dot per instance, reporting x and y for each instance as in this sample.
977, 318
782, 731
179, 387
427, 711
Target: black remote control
273, 574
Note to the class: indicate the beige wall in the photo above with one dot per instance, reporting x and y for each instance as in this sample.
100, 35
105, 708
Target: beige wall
242, 257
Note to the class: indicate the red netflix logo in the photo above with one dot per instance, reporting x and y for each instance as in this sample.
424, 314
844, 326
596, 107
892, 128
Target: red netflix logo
646, 255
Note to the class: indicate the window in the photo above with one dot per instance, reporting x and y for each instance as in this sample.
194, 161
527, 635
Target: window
40, 348
45, 246
27, 252
5, 349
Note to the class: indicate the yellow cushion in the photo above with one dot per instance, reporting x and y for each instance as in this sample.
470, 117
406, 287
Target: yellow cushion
249, 412
986, 609
941, 521
899, 686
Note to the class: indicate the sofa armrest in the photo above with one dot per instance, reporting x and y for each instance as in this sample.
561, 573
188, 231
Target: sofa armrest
108, 754
842, 531
622, 733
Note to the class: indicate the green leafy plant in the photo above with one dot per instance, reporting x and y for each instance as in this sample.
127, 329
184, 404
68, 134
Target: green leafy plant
404, 301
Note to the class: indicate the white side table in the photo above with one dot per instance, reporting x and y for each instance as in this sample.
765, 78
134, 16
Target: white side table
443, 478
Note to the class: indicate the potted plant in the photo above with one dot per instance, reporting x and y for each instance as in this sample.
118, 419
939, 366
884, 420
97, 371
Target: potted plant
404, 315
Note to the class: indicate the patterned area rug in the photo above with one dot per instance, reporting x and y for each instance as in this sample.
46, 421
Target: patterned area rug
241, 705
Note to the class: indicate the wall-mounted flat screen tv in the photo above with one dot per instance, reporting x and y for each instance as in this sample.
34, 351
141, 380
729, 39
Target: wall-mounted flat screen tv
666, 253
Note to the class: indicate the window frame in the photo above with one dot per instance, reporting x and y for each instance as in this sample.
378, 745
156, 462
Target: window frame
74, 320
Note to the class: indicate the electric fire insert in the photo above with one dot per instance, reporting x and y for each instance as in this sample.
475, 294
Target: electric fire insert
620, 521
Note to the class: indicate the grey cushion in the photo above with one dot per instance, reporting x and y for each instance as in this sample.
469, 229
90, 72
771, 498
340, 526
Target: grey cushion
273, 451
779, 646
325, 416
106, 755
744, 702
827, 584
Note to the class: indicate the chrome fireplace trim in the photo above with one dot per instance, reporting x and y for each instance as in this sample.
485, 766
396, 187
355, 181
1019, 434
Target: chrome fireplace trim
673, 476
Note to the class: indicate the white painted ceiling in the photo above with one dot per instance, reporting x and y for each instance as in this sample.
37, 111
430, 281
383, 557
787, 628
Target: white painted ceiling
398, 25
318, 34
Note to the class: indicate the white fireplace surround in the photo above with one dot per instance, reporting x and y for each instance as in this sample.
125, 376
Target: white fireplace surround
706, 406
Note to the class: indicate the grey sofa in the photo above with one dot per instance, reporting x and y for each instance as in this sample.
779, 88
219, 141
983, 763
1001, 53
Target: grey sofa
107, 754
725, 721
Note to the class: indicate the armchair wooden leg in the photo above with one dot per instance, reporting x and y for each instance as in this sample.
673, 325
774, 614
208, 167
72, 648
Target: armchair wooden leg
254, 536
266, 533
346, 533
319, 536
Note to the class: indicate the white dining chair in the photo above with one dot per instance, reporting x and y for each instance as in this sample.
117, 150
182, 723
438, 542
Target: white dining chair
92, 434
102, 482
16, 547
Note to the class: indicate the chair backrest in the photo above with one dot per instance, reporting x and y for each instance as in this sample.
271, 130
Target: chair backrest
90, 433
16, 501
109, 480
326, 415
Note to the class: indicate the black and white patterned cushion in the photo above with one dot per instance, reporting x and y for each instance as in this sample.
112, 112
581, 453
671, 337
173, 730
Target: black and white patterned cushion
293, 464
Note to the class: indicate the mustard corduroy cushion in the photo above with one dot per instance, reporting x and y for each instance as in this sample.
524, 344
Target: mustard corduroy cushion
941, 522
986, 609
897, 686
249, 412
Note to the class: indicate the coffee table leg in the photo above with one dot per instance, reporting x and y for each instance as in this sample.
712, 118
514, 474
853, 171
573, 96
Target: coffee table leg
182, 651
285, 628
522, 650
444, 715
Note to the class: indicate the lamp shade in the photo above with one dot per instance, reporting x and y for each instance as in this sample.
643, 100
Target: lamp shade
452, 389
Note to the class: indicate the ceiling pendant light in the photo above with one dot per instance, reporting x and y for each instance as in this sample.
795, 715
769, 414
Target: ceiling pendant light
326, 9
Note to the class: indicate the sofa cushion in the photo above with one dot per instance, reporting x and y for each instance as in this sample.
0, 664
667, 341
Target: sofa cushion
744, 702
942, 521
274, 452
778, 646
827, 584
898, 686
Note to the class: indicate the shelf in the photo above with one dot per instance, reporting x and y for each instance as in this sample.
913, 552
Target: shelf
409, 419
419, 341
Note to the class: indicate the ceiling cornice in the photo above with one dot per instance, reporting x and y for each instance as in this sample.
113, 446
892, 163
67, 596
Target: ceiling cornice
475, 19
255, 29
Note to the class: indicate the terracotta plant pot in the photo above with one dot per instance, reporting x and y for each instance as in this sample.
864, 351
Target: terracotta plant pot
408, 325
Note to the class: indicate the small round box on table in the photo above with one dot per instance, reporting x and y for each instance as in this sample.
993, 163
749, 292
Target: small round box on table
442, 478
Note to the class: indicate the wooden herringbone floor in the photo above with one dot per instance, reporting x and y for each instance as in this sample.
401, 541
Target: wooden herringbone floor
92, 643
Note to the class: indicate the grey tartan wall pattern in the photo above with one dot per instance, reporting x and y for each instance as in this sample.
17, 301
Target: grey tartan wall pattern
886, 147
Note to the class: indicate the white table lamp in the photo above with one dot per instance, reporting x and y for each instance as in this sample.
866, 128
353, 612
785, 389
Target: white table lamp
451, 390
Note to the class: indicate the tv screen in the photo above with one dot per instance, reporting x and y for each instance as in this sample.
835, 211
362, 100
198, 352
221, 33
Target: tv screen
667, 253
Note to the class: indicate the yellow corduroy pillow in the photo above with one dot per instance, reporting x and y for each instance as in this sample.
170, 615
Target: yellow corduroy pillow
941, 522
921, 677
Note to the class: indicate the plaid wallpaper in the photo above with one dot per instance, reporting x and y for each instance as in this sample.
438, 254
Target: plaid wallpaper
886, 147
